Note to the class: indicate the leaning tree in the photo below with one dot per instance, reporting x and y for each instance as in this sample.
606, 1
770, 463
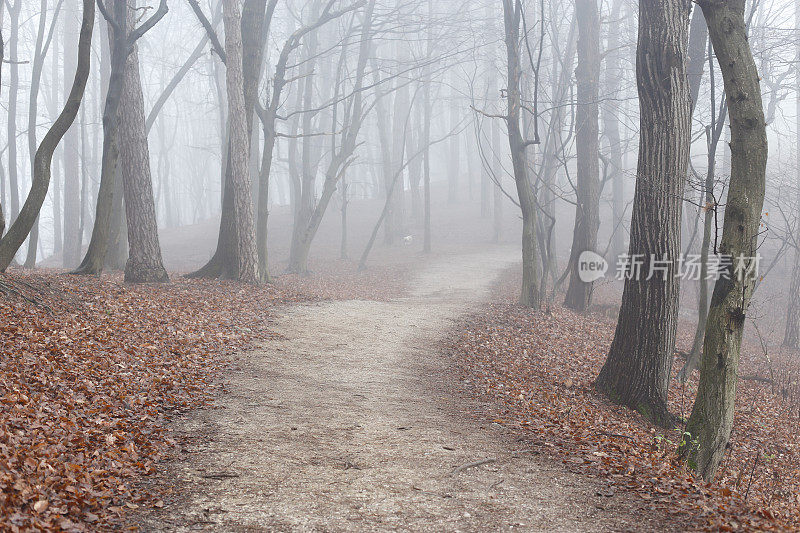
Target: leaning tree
709, 428
21, 227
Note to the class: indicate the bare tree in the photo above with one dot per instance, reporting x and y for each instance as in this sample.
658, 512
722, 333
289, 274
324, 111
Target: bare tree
530, 295
13, 95
242, 203
587, 210
71, 156
637, 370
711, 420
311, 211
613, 78
124, 38
43, 40
21, 227
791, 336
144, 262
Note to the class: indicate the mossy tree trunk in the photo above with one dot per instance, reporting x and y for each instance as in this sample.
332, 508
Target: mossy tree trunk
711, 420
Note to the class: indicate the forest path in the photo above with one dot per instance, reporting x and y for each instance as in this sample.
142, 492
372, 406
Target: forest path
351, 422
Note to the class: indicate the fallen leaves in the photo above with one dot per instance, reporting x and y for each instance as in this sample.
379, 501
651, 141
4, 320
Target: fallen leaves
90, 372
538, 369
92, 369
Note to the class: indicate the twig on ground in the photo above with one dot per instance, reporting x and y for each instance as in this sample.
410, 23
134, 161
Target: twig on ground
472, 465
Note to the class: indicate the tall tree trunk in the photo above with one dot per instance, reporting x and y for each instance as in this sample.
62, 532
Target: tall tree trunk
43, 40
226, 259
712, 416
11, 242
2, 174
498, 198
144, 259
383, 102
637, 370
94, 260
530, 295
426, 140
242, 203
415, 167
124, 37
13, 95
33, 112
298, 253
71, 156
454, 166
791, 335
400, 145
709, 209
587, 211
555, 142
698, 37
613, 82
52, 109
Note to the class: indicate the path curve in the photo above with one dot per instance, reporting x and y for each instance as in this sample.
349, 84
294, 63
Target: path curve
351, 422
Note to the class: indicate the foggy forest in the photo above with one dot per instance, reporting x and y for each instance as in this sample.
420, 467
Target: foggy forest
400, 265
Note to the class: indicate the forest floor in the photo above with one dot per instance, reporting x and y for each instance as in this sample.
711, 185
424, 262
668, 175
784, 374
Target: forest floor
415, 395
350, 419
537, 368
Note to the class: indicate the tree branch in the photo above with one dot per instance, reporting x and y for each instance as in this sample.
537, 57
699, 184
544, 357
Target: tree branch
209, 30
136, 34
102, 7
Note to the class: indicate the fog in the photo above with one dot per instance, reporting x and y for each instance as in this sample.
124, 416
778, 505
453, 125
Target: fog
432, 90
638, 161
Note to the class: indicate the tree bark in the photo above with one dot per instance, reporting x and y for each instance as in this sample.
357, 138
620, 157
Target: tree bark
123, 39
637, 370
530, 294
225, 261
711, 420
144, 264
242, 203
587, 211
41, 169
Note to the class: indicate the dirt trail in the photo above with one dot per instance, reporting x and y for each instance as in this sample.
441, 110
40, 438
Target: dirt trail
351, 422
